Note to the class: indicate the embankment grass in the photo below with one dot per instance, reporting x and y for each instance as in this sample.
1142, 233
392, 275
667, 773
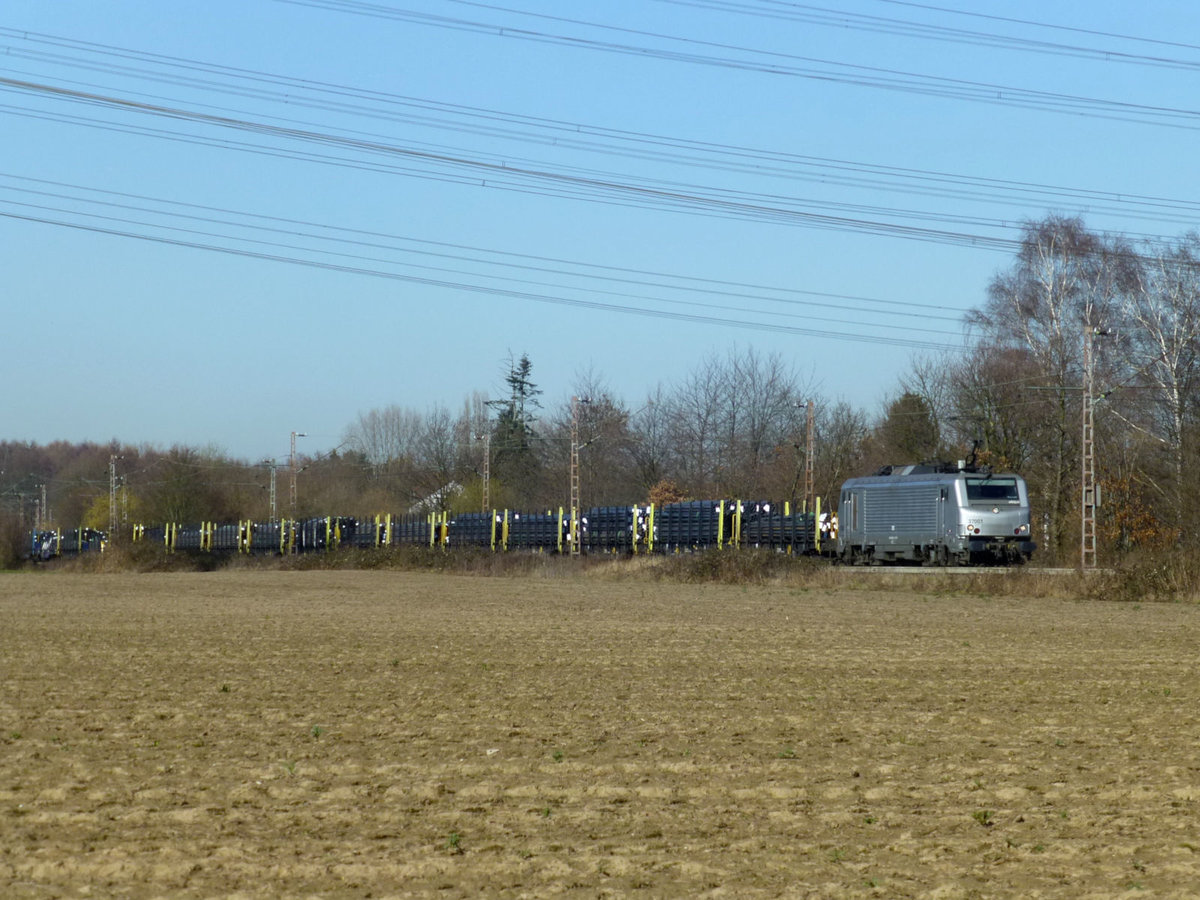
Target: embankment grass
1168, 578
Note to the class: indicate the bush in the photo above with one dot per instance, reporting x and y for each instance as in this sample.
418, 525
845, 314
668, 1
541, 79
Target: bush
143, 556
710, 566
461, 561
1170, 575
13, 537
731, 566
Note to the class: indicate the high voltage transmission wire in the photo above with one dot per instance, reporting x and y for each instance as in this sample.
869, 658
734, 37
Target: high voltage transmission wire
357, 258
486, 257
1075, 29
535, 177
845, 19
486, 289
492, 279
289, 247
602, 140
776, 63
578, 185
596, 187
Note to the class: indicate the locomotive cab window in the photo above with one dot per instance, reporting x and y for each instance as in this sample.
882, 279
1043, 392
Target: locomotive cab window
992, 490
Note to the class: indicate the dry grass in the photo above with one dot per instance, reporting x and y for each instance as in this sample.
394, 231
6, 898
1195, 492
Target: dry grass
1167, 577
1171, 575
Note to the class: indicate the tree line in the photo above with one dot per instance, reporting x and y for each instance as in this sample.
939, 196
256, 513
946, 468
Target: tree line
735, 424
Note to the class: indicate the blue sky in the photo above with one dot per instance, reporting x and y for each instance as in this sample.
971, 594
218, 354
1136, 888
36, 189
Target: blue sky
223, 222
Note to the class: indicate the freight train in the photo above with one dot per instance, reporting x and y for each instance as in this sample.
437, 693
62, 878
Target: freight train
670, 528
936, 514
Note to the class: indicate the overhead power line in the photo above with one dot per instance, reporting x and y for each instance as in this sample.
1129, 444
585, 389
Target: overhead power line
672, 48
378, 153
1075, 29
476, 257
494, 280
576, 184
568, 135
489, 289
784, 10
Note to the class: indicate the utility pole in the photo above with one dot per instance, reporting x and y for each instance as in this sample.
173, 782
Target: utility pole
1087, 481
575, 404
274, 516
112, 498
809, 443
292, 466
486, 437
487, 470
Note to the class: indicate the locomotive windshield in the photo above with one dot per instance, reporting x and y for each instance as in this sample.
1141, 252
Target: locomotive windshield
992, 490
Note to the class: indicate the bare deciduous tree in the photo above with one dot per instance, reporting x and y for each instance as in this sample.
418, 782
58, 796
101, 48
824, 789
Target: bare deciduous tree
1064, 277
1164, 312
384, 435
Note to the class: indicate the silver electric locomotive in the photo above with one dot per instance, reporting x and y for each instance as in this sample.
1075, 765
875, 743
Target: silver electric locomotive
936, 514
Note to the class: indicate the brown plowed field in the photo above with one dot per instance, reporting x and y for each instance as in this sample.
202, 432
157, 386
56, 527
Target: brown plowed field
354, 734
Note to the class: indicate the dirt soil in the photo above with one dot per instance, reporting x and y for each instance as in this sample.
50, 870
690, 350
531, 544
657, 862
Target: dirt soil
368, 734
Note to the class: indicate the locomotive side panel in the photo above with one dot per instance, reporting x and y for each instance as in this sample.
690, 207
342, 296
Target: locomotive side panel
894, 521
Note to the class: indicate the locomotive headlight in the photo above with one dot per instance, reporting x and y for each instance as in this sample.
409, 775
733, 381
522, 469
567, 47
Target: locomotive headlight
1024, 529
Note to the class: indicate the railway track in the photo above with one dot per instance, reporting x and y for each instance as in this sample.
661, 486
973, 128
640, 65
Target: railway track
967, 570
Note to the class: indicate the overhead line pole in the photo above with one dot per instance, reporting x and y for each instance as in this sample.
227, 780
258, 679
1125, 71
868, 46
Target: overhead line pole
1088, 487
292, 466
487, 470
575, 535
809, 444
112, 497
486, 437
274, 515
